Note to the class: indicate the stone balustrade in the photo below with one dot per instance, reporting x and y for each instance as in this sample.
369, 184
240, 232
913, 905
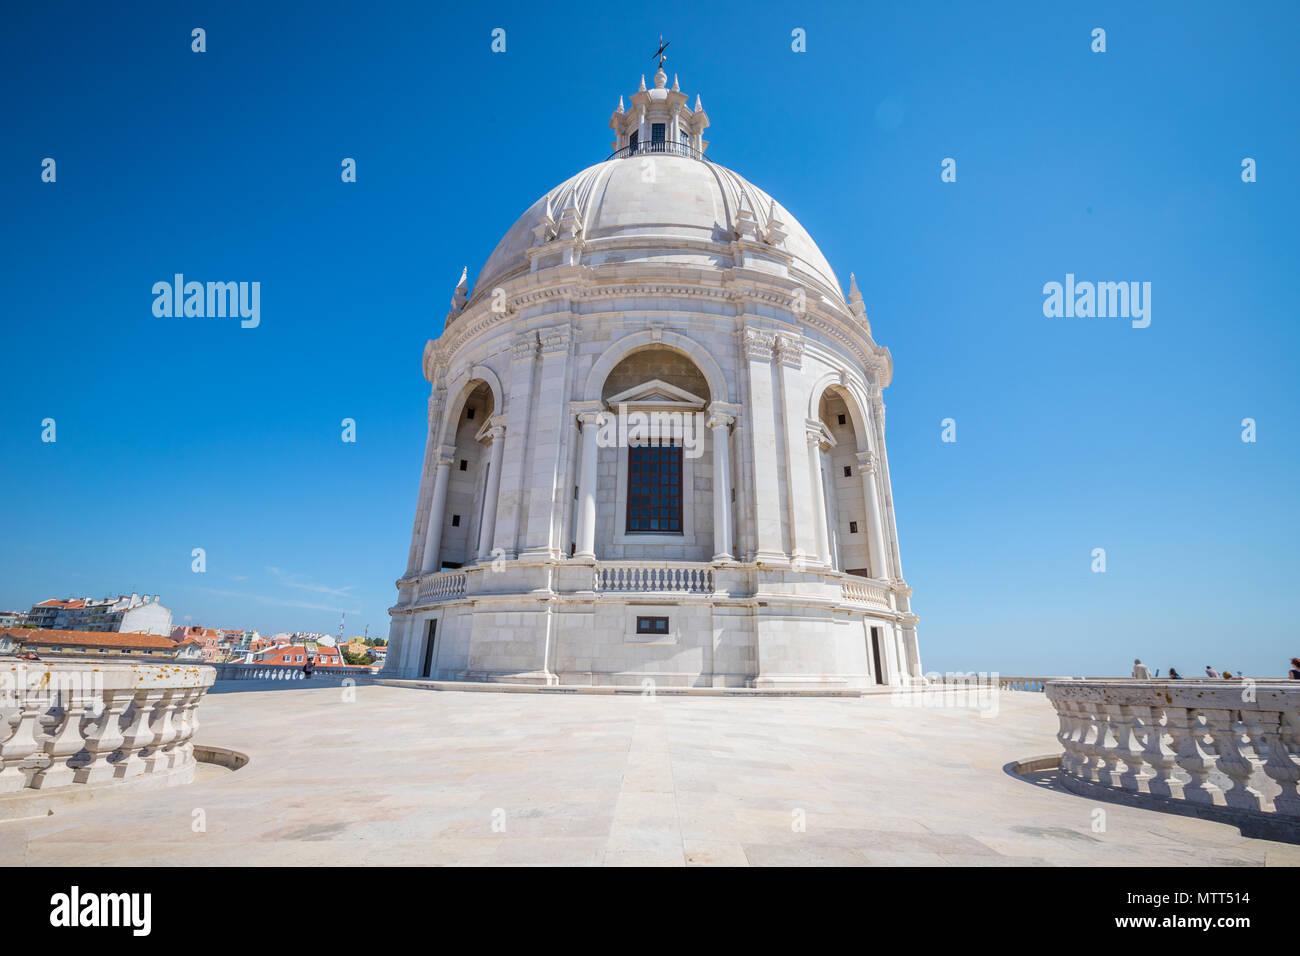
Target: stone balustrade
654, 576
441, 586
1208, 743
1001, 681
863, 591
81, 722
287, 672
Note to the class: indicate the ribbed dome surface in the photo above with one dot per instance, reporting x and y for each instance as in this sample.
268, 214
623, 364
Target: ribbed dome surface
687, 203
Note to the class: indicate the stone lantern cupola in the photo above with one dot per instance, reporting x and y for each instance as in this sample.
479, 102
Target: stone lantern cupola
659, 121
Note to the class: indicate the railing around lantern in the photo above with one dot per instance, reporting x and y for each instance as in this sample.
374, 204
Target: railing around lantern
89, 722
1232, 744
654, 576
660, 148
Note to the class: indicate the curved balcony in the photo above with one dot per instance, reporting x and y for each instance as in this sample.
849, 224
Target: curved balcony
654, 577
72, 723
863, 591
1223, 747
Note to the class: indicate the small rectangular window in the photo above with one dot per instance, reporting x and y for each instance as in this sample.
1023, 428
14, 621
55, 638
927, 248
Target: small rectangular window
652, 625
841, 419
469, 412
464, 465
657, 132
455, 521
848, 471
853, 527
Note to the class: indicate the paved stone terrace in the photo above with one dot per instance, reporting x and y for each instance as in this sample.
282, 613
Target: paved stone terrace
406, 776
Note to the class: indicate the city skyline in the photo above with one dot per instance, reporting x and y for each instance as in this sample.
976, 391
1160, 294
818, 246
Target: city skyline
1072, 434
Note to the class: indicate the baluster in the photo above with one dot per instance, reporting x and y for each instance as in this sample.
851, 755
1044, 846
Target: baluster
1184, 726
19, 745
1099, 745
1067, 735
65, 747
1159, 756
183, 748
103, 737
1130, 743
1222, 726
1279, 734
1254, 737
165, 732
138, 736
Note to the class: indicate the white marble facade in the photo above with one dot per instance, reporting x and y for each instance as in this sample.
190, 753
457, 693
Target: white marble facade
656, 281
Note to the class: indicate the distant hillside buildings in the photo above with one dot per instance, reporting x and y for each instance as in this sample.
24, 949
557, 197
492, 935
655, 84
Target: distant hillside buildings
135, 614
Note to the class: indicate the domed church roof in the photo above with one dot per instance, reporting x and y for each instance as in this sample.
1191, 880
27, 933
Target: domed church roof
658, 199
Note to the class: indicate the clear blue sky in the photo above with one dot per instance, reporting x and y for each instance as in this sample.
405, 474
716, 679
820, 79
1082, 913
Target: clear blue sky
1072, 434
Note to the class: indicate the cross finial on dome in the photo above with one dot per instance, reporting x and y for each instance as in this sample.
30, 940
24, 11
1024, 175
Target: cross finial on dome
660, 52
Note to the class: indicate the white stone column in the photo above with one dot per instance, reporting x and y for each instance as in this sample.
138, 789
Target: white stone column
887, 516
805, 528
587, 486
764, 512
817, 493
433, 532
415, 554
545, 440
833, 530
718, 425
487, 527
875, 528
514, 490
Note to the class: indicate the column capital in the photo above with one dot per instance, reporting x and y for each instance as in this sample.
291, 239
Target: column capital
555, 339
588, 413
759, 344
867, 461
721, 414
818, 434
446, 455
524, 345
790, 349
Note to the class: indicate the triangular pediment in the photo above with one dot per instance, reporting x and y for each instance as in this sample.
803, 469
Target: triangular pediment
657, 393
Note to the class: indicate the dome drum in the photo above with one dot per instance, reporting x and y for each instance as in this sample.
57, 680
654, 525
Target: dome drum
656, 445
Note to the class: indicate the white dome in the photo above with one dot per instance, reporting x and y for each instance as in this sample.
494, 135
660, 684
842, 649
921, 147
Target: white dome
686, 215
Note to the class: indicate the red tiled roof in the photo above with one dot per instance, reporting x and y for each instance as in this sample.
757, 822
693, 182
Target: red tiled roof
93, 638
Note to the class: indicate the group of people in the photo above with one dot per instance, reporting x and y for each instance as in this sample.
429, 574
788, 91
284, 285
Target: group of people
1142, 672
